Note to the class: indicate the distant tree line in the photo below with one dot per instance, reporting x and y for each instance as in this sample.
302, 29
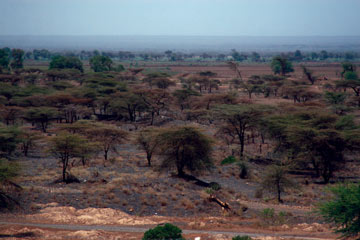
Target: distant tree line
233, 55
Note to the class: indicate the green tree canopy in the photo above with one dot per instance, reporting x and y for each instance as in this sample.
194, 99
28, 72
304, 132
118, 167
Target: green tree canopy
347, 67
101, 63
41, 115
281, 65
182, 96
66, 146
240, 118
107, 136
4, 58
9, 139
166, 232
352, 81
62, 62
17, 58
149, 141
8, 171
343, 209
310, 137
185, 148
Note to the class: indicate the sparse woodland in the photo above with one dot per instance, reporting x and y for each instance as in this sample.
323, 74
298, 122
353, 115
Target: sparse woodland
95, 132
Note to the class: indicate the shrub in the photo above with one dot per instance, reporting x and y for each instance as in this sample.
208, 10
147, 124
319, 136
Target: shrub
242, 238
166, 232
228, 160
268, 216
209, 191
343, 210
268, 213
215, 186
244, 170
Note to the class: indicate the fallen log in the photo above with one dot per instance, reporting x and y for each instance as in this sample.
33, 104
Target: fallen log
224, 205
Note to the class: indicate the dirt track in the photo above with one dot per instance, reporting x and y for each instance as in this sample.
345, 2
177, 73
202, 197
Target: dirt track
139, 229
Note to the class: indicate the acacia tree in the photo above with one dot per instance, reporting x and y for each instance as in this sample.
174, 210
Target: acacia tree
336, 100
8, 171
238, 119
347, 67
236, 68
66, 146
127, 105
343, 209
185, 148
309, 75
276, 181
281, 65
161, 80
42, 116
28, 140
310, 137
101, 63
149, 141
17, 58
62, 62
351, 81
4, 58
9, 114
182, 97
107, 136
9, 139
254, 85
155, 101
208, 101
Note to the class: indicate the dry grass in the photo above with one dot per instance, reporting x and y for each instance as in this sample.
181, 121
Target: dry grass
163, 201
188, 204
81, 172
110, 174
46, 176
126, 191
173, 196
111, 196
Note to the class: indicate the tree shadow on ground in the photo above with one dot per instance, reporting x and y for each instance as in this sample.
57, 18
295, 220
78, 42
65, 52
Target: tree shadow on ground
18, 235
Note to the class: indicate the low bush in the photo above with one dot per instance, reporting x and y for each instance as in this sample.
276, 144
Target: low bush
228, 160
166, 232
242, 238
269, 217
244, 170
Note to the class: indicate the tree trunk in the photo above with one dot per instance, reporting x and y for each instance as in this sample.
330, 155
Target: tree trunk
152, 118
148, 156
278, 193
105, 156
64, 169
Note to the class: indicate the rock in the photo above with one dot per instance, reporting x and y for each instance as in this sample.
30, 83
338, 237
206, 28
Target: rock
191, 224
222, 237
285, 227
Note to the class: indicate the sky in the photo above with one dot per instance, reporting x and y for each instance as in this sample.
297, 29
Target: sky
181, 17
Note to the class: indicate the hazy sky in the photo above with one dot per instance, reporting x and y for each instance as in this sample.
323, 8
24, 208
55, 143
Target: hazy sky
180, 17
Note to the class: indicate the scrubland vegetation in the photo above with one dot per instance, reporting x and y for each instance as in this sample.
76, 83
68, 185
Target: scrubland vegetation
85, 130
